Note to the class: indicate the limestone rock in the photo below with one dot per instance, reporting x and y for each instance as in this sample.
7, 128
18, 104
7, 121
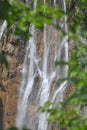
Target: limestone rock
14, 50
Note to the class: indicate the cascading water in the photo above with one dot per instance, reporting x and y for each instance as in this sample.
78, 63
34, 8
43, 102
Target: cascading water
60, 91
45, 85
2, 28
28, 75
33, 93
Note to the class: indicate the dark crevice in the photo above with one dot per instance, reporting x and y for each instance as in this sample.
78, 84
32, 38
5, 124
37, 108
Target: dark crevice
1, 115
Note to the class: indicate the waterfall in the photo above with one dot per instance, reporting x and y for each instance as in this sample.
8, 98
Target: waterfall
60, 91
40, 73
45, 84
2, 28
28, 75
54, 3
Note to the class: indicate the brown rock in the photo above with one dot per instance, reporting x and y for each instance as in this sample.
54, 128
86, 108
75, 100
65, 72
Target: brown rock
10, 80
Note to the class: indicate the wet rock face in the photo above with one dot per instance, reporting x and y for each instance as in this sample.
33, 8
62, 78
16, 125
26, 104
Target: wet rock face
14, 50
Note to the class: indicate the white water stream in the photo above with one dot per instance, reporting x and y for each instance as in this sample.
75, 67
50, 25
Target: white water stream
31, 98
2, 28
28, 75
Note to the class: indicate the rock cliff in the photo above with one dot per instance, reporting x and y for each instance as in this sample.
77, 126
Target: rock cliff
14, 50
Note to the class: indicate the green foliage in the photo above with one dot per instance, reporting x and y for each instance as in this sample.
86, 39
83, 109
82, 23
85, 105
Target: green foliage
77, 14
22, 15
13, 128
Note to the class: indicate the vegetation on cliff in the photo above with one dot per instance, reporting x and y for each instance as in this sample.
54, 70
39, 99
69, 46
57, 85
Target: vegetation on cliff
71, 115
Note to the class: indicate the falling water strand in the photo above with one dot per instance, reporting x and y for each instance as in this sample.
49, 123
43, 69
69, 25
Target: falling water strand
64, 4
2, 28
54, 3
59, 92
56, 45
66, 42
45, 85
28, 76
45, 52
